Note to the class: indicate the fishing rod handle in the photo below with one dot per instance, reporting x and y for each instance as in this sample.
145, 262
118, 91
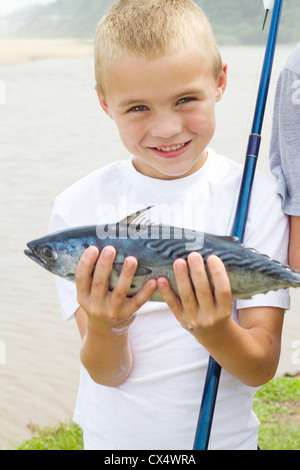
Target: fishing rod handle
209, 398
208, 405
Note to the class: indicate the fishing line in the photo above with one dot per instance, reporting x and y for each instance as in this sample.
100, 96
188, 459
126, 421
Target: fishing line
248, 126
210, 392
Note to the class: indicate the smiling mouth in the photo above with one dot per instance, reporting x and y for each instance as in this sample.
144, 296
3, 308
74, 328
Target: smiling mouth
171, 149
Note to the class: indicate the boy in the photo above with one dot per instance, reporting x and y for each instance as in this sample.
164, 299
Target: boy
159, 75
285, 144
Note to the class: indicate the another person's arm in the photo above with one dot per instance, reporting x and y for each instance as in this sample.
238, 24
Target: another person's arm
294, 247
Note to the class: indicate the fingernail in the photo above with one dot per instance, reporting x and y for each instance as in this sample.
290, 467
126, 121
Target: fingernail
107, 252
129, 263
161, 283
213, 260
152, 284
179, 266
92, 250
194, 258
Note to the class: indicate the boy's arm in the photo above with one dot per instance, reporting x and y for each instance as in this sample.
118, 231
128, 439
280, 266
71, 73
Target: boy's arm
294, 248
104, 317
106, 356
249, 351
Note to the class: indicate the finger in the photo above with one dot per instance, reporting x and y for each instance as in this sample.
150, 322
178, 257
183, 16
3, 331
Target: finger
185, 287
102, 272
124, 282
201, 282
136, 302
222, 292
84, 273
173, 302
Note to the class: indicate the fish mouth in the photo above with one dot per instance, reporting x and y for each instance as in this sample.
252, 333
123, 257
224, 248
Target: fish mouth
32, 254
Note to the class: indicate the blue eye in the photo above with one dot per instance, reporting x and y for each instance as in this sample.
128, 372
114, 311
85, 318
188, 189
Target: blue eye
185, 100
138, 109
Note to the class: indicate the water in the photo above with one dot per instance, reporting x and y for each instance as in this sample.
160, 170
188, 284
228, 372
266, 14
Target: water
53, 132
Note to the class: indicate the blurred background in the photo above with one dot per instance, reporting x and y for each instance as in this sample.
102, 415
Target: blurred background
234, 21
53, 132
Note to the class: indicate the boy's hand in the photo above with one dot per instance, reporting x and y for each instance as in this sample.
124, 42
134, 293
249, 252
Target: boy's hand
112, 311
199, 310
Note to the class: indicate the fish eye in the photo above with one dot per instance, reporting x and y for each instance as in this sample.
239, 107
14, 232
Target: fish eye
47, 251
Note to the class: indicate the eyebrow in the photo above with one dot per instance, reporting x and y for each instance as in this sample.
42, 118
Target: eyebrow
131, 102
192, 91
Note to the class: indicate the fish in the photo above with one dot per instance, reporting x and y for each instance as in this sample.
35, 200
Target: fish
156, 247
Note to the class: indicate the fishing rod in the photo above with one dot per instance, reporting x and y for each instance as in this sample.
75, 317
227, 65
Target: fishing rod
214, 369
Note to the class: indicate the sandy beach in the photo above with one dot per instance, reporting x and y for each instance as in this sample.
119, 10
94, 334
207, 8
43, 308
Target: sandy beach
19, 51
53, 133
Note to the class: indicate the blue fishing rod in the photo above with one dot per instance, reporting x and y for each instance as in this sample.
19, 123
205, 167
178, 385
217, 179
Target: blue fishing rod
214, 369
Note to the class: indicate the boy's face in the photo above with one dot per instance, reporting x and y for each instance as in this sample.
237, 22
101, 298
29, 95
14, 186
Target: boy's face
164, 110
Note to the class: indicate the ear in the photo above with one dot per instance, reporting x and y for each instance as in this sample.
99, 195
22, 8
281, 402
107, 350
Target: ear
222, 83
103, 103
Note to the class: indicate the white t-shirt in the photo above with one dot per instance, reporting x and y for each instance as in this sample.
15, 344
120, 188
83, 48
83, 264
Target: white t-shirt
158, 405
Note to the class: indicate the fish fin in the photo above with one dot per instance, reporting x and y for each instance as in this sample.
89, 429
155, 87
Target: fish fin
141, 276
234, 239
140, 217
140, 271
238, 297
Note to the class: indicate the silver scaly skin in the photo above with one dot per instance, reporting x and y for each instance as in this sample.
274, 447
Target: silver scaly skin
156, 247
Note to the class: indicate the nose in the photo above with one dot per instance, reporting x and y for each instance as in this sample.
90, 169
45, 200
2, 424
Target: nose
166, 125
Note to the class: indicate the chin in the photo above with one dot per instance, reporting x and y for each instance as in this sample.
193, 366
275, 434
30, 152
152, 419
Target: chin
179, 170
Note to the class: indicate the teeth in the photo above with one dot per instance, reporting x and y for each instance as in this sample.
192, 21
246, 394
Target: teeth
168, 149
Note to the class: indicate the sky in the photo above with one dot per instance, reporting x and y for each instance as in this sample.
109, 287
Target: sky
9, 6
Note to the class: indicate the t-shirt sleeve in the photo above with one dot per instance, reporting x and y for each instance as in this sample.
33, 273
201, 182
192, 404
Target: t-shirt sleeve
267, 231
66, 290
285, 142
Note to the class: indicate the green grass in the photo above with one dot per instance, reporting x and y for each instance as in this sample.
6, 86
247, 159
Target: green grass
277, 406
64, 436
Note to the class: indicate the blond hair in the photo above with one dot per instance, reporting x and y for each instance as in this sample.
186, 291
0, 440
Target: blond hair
150, 29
